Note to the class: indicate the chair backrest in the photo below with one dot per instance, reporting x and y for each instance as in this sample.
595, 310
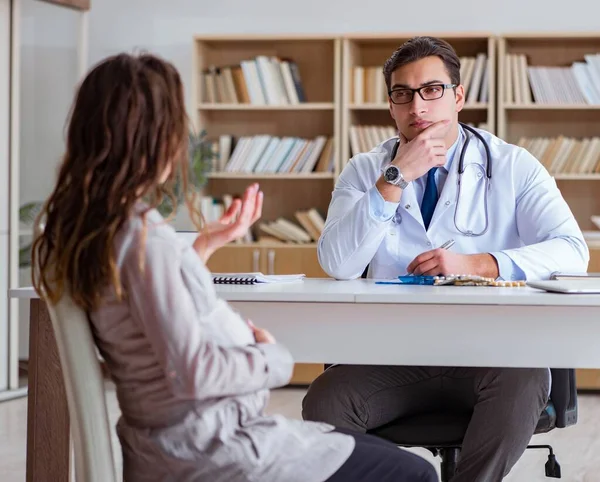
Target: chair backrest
84, 385
564, 396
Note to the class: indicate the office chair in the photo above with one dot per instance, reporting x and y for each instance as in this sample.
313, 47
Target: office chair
442, 432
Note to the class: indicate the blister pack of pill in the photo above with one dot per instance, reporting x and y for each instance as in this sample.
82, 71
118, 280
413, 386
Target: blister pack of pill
473, 280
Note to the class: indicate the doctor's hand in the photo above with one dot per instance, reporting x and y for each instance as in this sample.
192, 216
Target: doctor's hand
444, 262
428, 149
242, 214
415, 158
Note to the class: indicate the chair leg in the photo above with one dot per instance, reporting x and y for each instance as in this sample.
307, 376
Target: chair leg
552, 466
449, 460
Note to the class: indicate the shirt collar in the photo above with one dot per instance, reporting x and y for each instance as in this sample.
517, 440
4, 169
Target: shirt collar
451, 152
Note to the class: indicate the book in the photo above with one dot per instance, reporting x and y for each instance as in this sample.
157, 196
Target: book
254, 278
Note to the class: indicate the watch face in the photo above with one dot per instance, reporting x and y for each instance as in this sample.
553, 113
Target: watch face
391, 174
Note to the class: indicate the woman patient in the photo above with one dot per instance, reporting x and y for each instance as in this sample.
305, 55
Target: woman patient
192, 376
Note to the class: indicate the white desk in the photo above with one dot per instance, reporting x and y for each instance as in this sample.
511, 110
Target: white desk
362, 322
354, 322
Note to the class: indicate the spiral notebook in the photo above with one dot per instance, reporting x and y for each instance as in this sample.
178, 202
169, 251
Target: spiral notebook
254, 278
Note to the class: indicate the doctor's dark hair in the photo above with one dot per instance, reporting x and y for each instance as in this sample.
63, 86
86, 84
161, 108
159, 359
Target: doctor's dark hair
418, 48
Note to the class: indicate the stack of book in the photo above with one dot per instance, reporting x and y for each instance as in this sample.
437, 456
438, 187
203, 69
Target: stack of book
366, 137
260, 81
474, 76
565, 155
578, 83
310, 229
272, 154
368, 85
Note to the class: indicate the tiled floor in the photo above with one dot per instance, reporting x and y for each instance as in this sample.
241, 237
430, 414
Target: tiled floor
577, 448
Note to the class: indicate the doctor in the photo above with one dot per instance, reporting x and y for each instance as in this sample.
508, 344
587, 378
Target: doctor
391, 210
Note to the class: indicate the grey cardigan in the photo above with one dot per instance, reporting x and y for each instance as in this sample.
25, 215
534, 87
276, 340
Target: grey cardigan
192, 384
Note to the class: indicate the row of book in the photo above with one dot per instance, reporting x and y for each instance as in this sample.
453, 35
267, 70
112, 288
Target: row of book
363, 138
260, 81
309, 228
578, 83
368, 84
272, 154
474, 76
565, 155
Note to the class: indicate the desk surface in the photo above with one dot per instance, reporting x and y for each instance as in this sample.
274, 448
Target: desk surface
366, 291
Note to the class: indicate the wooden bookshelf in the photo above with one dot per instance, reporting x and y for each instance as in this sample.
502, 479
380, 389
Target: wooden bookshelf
318, 62
518, 120
373, 50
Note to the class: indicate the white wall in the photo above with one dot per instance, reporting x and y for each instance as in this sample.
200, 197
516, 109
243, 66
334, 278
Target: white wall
48, 79
49, 71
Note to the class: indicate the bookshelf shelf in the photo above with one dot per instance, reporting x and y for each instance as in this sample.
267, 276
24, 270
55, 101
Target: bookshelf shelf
271, 244
253, 175
577, 177
369, 106
363, 56
552, 107
252, 107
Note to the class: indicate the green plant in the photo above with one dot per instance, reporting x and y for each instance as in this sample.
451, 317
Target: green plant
201, 157
27, 214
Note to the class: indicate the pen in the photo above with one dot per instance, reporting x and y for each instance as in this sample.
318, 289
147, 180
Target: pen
448, 244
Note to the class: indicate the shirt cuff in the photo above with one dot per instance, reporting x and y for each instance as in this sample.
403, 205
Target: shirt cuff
379, 208
279, 363
507, 268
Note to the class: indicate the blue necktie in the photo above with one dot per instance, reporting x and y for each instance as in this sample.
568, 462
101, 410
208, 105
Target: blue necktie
430, 197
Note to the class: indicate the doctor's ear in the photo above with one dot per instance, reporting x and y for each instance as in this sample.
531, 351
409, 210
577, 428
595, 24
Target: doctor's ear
459, 95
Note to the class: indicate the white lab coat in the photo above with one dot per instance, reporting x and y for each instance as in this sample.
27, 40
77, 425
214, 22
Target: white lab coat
528, 218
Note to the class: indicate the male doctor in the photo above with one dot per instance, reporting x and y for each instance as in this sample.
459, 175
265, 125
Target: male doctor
391, 212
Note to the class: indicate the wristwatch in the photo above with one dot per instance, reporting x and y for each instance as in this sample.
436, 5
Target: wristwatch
392, 175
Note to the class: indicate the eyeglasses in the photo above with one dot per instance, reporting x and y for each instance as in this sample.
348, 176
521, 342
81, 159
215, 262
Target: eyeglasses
427, 92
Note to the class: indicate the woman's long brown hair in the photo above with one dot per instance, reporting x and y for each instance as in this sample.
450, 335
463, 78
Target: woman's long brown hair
127, 129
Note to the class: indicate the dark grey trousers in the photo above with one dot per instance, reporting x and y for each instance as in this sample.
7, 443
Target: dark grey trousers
506, 405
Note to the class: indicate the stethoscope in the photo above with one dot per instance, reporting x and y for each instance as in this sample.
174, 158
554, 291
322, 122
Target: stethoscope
461, 170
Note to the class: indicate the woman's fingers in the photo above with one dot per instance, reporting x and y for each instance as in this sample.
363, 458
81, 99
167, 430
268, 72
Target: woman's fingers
232, 212
248, 206
258, 207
